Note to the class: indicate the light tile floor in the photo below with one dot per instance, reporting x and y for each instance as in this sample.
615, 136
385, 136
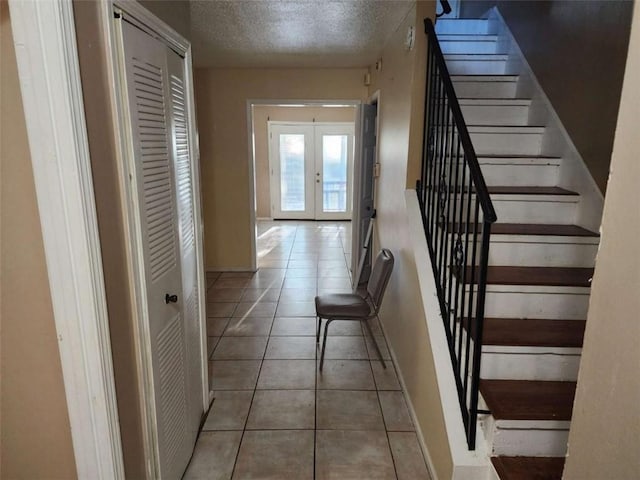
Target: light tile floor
275, 416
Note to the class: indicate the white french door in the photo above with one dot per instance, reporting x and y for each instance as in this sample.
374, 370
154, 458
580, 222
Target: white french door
311, 167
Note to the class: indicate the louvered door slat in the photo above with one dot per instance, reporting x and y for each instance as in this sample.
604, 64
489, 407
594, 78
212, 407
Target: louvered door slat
156, 183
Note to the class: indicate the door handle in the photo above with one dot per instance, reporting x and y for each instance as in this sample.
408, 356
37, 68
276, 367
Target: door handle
170, 298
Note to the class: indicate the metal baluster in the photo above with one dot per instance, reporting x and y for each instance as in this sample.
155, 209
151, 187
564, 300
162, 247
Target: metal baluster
434, 161
445, 197
455, 253
452, 202
428, 125
477, 349
467, 279
474, 283
441, 143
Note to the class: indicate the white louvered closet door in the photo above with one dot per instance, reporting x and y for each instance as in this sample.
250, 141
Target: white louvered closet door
157, 135
185, 201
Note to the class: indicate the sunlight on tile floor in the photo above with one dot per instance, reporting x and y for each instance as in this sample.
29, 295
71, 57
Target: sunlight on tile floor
274, 415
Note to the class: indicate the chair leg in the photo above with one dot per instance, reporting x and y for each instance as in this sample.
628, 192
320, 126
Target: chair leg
318, 330
324, 343
375, 344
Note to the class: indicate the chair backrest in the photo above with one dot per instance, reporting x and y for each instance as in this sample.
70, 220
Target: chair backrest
379, 277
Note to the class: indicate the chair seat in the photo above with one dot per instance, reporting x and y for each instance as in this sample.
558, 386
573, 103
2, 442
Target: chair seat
342, 305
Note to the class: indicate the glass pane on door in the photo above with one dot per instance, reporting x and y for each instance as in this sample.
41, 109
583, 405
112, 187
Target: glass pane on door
292, 179
334, 173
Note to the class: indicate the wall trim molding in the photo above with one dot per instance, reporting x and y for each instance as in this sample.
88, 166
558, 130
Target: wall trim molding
467, 464
46, 52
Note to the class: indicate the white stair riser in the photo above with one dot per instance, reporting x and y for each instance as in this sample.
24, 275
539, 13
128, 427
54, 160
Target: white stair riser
529, 366
495, 114
535, 251
526, 209
448, 37
530, 442
476, 67
520, 254
485, 89
520, 175
517, 304
462, 26
534, 211
507, 144
468, 47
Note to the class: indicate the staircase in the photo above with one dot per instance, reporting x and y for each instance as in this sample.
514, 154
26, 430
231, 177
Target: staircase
540, 261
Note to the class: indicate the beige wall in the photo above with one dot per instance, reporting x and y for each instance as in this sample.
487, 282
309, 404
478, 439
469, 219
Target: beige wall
578, 60
111, 224
92, 53
604, 441
402, 313
221, 102
35, 437
261, 116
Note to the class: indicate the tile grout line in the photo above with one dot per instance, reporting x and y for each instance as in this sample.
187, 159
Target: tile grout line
271, 335
384, 421
242, 435
244, 429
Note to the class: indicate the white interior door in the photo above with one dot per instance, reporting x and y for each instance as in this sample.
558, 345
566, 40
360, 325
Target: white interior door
333, 171
364, 181
162, 183
311, 168
292, 167
183, 161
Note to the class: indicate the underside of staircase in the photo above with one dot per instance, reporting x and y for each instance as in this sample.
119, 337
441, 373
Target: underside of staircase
540, 261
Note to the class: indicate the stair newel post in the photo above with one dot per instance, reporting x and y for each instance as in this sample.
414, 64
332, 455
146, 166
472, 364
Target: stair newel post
477, 333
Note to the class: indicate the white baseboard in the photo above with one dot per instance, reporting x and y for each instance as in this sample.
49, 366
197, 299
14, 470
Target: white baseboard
230, 269
467, 464
264, 219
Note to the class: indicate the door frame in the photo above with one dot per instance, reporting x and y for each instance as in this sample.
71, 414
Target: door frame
44, 37
148, 22
310, 189
47, 57
356, 241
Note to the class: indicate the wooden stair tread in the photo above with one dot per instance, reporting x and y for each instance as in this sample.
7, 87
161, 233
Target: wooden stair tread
541, 229
535, 276
528, 399
525, 332
514, 190
529, 468
516, 155
481, 75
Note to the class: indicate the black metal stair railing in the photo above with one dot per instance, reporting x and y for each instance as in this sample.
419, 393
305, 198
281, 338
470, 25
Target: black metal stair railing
457, 214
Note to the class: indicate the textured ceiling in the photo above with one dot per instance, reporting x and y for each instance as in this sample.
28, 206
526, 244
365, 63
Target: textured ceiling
292, 33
